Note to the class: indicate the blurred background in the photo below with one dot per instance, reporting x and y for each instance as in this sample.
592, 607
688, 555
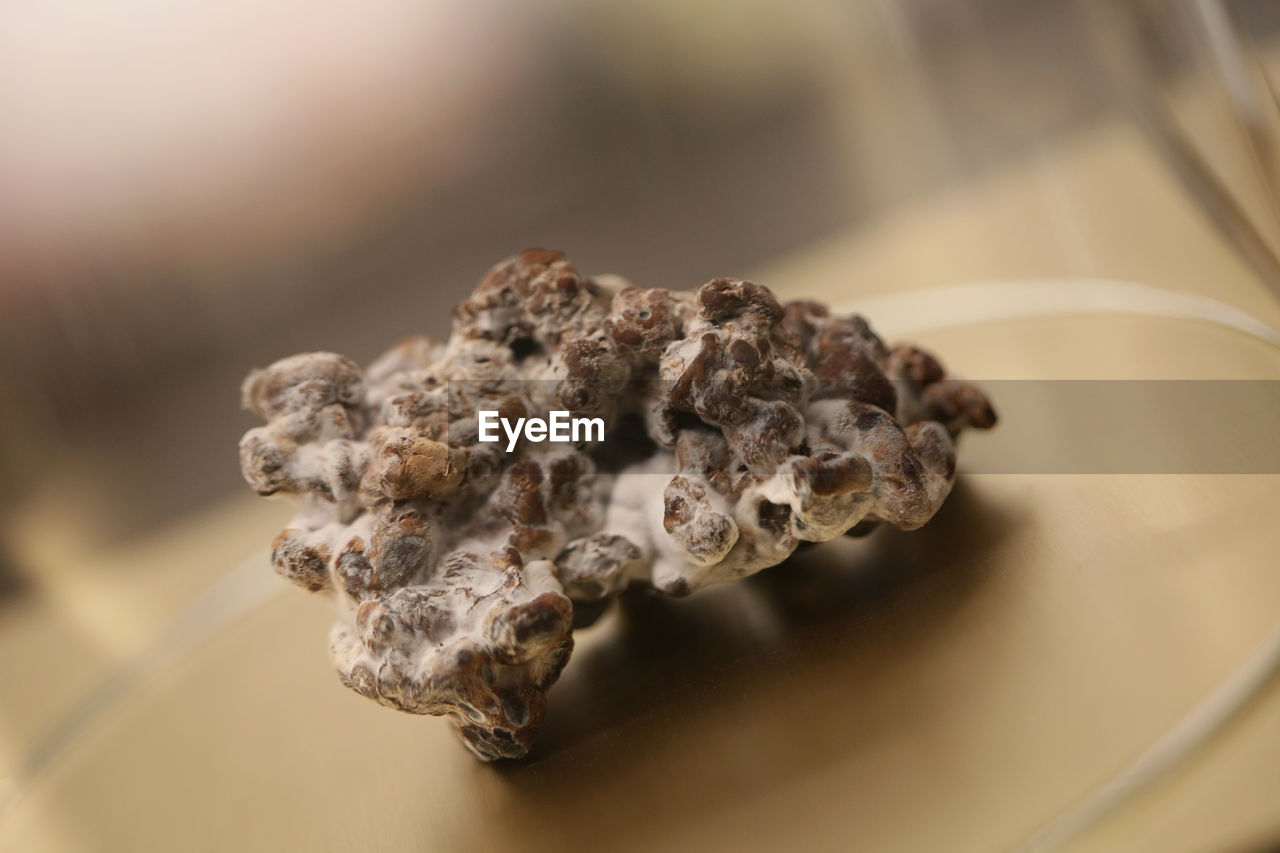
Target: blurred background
190, 190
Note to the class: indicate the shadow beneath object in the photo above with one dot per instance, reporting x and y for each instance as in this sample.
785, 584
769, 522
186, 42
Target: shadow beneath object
12, 582
784, 656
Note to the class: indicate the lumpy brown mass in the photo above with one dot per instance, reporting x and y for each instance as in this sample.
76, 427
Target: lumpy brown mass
736, 427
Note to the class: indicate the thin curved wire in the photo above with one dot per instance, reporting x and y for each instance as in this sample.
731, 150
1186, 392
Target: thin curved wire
226, 600
966, 304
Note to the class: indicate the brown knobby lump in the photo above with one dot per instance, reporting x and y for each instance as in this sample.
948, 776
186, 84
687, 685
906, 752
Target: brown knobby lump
736, 428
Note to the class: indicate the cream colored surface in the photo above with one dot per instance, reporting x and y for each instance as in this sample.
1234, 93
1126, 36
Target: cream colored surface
948, 689
96, 605
1099, 205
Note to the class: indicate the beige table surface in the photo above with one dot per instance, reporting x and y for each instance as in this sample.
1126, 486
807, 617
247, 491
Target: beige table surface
948, 689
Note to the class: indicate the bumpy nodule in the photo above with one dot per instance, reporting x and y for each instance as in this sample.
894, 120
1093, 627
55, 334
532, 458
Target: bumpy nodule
736, 427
